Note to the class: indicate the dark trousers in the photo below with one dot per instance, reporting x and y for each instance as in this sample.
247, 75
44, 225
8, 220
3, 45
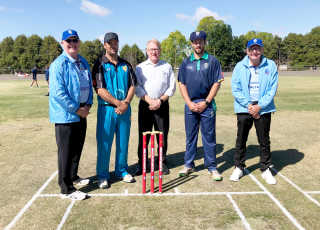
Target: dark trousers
206, 121
70, 138
262, 125
159, 119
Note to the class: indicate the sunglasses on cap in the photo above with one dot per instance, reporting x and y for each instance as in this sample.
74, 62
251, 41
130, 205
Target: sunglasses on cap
74, 40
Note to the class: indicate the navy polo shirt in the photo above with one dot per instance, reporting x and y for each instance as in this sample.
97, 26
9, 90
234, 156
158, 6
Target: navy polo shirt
199, 75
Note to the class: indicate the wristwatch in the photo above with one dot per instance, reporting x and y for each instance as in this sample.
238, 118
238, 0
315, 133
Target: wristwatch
162, 101
208, 103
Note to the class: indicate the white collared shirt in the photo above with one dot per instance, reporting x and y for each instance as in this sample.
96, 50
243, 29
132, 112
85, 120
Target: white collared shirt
155, 80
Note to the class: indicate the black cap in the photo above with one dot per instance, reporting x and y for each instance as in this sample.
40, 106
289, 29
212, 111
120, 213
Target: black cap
109, 36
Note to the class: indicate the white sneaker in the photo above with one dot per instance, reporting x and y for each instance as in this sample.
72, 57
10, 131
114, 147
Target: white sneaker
103, 184
216, 176
76, 195
185, 171
81, 182
268, 177
128, 179
236, 174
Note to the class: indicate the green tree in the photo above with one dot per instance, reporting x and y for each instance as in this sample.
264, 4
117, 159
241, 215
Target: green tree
294, 46
132, 54
312, 47
31, 57
6, 54
207, 24
19, 48
91, 50
50, 50
173, 49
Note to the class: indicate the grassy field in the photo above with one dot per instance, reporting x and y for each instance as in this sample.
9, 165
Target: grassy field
28, 158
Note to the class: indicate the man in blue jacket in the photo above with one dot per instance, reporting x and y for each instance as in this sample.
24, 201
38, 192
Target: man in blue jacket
254, 85
70, 100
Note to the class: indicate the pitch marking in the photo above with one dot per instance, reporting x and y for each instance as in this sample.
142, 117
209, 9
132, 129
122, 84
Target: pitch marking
297, 187
35, 196
242, 217
283, 209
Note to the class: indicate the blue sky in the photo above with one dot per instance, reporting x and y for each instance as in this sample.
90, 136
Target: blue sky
137, 21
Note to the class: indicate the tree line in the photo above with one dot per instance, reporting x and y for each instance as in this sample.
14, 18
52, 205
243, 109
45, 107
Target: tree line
295, 50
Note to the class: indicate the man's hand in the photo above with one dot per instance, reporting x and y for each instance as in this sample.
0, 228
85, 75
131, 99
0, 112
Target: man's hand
154, 104
254, 111
122, 107
201, 106
193, 107
83, 111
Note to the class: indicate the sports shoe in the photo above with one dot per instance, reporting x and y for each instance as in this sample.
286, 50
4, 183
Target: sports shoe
128, 179
186, 171
216, 176
76, 195
268, 177
236, 174
81, 181
103, 184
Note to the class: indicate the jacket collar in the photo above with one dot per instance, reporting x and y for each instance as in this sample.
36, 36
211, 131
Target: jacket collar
246, 62
204, 56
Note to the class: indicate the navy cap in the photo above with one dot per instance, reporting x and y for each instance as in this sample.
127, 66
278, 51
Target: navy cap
109, 36
255, 41
198, 35
69, 33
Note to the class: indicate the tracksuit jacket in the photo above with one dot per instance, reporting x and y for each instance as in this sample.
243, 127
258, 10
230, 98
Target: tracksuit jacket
64, 98
268, 84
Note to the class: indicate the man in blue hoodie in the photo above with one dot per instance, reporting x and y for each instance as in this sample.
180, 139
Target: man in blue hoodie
70, 100
254, 85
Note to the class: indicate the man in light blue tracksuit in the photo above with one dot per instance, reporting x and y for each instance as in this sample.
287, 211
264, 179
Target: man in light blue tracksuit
114, 81
254, 85
70, 100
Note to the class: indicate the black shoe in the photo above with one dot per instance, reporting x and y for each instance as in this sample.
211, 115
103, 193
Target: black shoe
47, 94
165, 169
138, 171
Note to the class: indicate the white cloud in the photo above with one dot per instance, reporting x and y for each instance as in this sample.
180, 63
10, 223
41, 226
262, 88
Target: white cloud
200, 13
92, 8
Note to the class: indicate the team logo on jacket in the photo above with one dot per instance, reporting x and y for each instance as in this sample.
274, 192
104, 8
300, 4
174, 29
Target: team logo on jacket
267, 72
125, 68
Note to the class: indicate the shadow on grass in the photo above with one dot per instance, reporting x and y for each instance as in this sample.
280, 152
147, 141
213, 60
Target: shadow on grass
177, 159
280, 158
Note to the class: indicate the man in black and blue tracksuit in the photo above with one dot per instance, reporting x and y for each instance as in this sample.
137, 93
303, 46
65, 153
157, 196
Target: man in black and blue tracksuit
199, 81
114, 81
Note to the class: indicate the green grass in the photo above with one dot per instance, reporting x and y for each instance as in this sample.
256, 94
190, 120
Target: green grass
28, 156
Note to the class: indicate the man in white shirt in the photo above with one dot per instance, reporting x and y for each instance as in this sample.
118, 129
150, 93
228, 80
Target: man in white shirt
155, 84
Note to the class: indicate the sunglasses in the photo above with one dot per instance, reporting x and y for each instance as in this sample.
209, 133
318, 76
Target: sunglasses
74, 40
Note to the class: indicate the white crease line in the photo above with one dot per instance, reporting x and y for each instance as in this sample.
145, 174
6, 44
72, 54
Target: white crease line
25, 208
283, 209
126, 192
66, 214
242, 217
297, 187
312, 192
164, 194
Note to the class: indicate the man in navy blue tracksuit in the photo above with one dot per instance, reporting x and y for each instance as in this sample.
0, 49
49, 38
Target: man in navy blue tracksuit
199, 81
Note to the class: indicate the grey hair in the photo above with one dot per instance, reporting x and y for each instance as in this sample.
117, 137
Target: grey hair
153, 40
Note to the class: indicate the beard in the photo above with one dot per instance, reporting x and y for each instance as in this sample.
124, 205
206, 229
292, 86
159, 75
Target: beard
199, 51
